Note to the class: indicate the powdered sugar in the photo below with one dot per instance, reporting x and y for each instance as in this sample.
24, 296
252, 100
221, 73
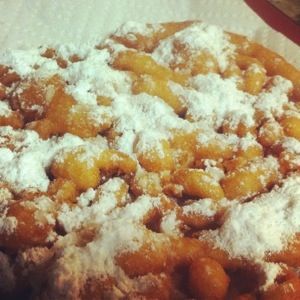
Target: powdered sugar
266, 224
272, 271
108, 221
44, 209
197, 37
5, 109
145, 116
205, 207
170, 224
103, 202
248, 141
68, 50
8, 224
92, 76
131, 28
24, 61
85, 198
25, 166
271, 101
270, 221
291, 144
98, 256
214, 100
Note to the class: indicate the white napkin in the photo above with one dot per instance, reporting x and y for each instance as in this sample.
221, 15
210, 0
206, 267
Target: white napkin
30, 23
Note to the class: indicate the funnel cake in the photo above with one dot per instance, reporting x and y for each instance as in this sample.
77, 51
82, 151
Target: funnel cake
159, 163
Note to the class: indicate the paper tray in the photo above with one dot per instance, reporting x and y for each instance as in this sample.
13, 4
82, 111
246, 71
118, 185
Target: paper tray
27, 24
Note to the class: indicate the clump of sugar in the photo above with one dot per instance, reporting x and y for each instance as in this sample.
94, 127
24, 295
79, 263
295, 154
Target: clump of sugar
86, 197
248, 141
97, 258
199, 37
209, 136
98, 115
270, 102
215, 100
93, 206
8, 224
204, 207
93, 76
291, 145
68, 50
25, 166
148, 141
87, 153
266, 224
24, 61
255, 68
130, 29
170, 224
146, 117
87, 78
6, 196
271, 270
212, 169
5, 110
44, 209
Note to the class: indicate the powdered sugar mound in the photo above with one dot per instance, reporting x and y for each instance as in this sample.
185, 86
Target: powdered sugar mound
248, 141
272, 271
96, 260
114, 46
205, 207
24, 62
215, 99
5, 109
197, 37
131, 28
68, 50
149, 140
94, 206
25, 166
170, 224
8, 224
145, 116
86, 197
44, 210
271, 101
98, 115
291, 145
221, 99
266, 224
119, 230
223, 140
92, 76
89, 77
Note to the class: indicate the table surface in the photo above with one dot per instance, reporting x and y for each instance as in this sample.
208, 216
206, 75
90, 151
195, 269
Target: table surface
276, 19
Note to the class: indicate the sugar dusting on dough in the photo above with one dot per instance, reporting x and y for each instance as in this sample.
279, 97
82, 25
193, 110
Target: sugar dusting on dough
140, 122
